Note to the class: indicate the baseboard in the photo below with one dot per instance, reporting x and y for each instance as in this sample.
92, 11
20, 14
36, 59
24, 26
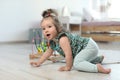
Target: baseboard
13, 42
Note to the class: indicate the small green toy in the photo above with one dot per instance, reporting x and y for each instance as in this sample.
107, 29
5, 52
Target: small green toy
42, 47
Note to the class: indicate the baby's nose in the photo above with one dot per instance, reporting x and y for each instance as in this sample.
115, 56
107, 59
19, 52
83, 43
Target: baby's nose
46, 30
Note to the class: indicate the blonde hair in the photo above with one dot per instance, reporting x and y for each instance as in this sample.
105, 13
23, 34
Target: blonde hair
51, 13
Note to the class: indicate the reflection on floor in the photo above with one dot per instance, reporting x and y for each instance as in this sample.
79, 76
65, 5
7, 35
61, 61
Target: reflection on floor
14, 65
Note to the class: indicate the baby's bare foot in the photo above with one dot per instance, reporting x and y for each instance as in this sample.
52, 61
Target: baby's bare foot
103, 70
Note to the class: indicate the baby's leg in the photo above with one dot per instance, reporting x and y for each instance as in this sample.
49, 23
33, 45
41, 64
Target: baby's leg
81, 61
84, 65
98, 59
83, 58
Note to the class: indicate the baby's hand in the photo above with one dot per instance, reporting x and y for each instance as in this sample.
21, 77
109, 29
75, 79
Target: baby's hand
35, 64
64, 68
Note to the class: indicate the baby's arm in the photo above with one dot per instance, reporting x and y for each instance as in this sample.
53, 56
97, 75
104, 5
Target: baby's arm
65, 45
44, 57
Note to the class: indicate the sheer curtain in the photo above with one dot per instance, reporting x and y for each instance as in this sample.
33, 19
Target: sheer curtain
114, 11
109, 9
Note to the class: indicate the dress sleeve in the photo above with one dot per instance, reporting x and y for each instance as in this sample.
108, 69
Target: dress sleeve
61, 35
52, 44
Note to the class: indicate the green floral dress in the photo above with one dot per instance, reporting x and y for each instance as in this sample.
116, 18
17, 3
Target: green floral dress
77, 43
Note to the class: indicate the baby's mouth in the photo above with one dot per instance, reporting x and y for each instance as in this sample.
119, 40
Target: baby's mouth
48, 35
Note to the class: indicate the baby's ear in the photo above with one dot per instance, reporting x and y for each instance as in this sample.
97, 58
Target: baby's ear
60, 29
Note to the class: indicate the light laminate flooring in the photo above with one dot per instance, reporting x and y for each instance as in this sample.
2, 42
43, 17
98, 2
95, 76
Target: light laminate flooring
14, 65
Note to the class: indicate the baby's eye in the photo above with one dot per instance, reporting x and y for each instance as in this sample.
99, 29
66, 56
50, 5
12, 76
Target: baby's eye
43, 28
49, 26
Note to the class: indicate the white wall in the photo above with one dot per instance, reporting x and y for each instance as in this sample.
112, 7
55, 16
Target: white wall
18, 16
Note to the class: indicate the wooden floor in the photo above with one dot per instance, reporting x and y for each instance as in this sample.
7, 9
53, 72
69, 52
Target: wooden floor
14, 65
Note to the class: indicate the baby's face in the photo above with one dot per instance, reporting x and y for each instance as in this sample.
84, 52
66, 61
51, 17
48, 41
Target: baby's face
49, 29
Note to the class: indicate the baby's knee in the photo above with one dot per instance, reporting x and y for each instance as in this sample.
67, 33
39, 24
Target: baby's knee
77, 65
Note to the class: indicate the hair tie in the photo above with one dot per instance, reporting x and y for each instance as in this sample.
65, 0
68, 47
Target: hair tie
48, 14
